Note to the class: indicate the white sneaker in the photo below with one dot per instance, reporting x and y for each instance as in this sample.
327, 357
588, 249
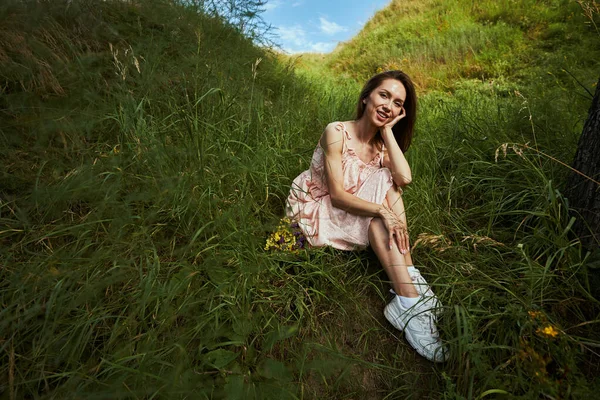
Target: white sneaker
428, 298
424, 290
419, 329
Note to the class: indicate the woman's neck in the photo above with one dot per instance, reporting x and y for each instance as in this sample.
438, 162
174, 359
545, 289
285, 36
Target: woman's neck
365, 130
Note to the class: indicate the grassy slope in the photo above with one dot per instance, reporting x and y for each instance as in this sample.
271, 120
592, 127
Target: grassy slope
440, 43
487, 216
134, 204
134, 207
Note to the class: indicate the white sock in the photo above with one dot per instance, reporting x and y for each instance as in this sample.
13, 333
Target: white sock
411, 269
408, 302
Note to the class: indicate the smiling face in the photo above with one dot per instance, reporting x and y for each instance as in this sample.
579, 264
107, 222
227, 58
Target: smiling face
385, 102
383, 97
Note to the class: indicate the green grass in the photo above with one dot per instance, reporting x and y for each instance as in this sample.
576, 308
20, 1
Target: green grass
134, 208
499, 245
441, 43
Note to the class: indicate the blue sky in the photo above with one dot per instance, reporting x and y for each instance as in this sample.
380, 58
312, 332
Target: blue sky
318, 25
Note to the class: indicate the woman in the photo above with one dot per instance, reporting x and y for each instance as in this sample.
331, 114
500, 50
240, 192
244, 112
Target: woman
352, 197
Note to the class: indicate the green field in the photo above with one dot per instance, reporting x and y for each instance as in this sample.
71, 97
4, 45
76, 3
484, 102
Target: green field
146, 151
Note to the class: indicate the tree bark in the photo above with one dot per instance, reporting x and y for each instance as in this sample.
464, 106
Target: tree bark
583, 193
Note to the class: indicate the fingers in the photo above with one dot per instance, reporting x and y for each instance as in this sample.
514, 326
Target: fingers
397, 233
393, 235
406, 241
395, 120
400, 116
402, 241
398, 236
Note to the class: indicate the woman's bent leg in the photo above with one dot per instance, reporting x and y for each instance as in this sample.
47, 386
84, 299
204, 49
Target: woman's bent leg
395, 202
414, 321
392, 260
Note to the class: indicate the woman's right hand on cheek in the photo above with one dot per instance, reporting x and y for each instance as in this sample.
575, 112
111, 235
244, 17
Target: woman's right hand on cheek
396, 230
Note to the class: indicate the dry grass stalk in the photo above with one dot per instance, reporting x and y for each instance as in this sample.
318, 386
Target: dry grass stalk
477, 240
437, 242
128, 57
15, 49
590, 8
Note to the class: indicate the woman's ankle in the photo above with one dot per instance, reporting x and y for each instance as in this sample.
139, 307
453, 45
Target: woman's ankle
408, 302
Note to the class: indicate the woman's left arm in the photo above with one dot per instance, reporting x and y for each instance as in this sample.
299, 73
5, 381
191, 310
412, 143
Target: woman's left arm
394, 157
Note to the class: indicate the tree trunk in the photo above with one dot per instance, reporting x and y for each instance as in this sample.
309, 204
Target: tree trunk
583, 193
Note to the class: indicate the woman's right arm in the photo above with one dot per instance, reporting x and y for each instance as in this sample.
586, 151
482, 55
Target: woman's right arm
332, 144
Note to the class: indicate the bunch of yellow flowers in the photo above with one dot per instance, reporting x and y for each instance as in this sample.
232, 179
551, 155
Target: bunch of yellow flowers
546, 329
287, 237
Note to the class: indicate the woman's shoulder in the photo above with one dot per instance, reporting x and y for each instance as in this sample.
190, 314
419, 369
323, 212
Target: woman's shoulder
333, 135
339, 126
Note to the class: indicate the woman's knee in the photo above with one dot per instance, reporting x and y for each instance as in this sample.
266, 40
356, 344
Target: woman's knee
393, 196
376, 227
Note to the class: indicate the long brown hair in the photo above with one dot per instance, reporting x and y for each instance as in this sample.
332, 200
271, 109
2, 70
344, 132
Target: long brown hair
403, 130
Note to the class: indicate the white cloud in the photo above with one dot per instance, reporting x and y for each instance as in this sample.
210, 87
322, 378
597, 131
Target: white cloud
271, 5
292, 34
331, 28
297, 4
295, 40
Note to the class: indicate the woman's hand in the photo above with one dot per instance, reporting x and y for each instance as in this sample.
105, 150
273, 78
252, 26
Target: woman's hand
393, 157
396, 229
393, 122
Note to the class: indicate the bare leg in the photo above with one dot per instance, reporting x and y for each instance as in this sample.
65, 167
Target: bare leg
421, 334
395, 202
392, 260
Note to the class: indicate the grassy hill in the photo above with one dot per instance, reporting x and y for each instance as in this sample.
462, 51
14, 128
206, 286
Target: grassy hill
440, 43
504, 89
146, 151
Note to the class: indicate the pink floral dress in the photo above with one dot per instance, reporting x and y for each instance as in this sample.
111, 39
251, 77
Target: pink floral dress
309, 203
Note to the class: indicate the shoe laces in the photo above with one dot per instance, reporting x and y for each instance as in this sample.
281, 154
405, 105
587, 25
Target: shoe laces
427, 318
418, 278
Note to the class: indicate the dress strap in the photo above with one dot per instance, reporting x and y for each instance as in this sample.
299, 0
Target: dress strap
346, 136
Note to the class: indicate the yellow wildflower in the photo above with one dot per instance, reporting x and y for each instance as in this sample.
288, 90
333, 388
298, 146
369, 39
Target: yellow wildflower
548, 331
